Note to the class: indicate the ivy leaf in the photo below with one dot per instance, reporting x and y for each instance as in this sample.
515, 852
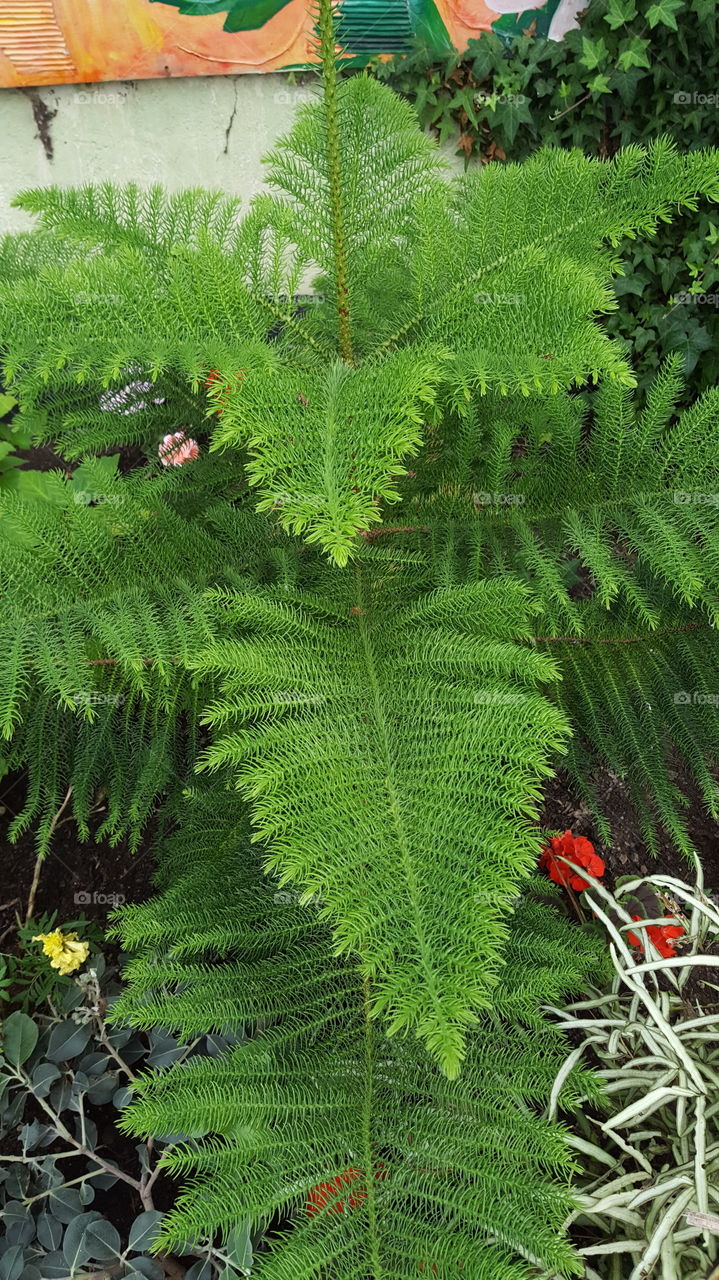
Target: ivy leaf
594, 53
506, 117
696, 341
600, 84
634, 54
620, 12
663, 13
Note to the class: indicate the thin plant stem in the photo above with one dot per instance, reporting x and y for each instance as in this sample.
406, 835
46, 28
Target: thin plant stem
326, 28
41, 858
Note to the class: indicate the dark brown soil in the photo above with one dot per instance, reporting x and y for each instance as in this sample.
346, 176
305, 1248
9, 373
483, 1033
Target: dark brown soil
75, 879
627, 853
81, 879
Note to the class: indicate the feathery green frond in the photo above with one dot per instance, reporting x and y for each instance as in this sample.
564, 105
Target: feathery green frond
325, 445
608, 510
179, 287
317, 1110
421, 528
393, 759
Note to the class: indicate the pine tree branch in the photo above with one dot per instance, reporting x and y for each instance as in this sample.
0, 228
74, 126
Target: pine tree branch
329, 75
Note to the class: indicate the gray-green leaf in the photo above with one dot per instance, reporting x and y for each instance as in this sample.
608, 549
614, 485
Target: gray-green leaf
19, 1037
144, 1230
67, 1041
90, 1236
12, 1263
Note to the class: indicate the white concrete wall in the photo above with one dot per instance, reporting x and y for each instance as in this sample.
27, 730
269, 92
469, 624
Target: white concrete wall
208, 131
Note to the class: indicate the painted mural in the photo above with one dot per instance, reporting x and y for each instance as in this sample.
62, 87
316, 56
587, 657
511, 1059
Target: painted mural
78, 41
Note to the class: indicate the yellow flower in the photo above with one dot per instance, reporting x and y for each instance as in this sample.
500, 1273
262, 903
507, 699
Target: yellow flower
65, 952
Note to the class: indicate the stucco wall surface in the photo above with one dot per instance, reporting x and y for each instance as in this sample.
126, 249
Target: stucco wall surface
202, 131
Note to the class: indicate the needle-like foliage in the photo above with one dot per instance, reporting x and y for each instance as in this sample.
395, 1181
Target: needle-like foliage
364, 1157
418, 532
392, 752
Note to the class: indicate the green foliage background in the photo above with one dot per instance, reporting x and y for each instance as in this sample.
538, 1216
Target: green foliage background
633, 69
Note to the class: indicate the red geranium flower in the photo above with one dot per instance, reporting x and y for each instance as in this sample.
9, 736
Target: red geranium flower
322, 1196
578, 849
661, 935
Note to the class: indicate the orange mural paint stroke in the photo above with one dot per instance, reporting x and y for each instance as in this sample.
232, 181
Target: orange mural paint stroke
75, 41
31, 39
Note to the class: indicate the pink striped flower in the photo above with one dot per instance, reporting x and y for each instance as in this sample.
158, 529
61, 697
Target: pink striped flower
177, 449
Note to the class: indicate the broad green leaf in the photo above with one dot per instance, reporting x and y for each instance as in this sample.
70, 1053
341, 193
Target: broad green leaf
634, 54
663, 12
620, 12
49, 1231
144, 1230
65, 1203
238, 1246
67, 1040
19, 1037
90, 1236
12, 1263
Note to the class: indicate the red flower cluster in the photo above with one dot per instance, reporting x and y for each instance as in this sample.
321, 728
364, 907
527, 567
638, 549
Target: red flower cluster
322, 1196
578, 849
661, 935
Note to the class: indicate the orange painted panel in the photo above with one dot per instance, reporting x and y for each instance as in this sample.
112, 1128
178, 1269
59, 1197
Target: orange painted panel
77, 41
